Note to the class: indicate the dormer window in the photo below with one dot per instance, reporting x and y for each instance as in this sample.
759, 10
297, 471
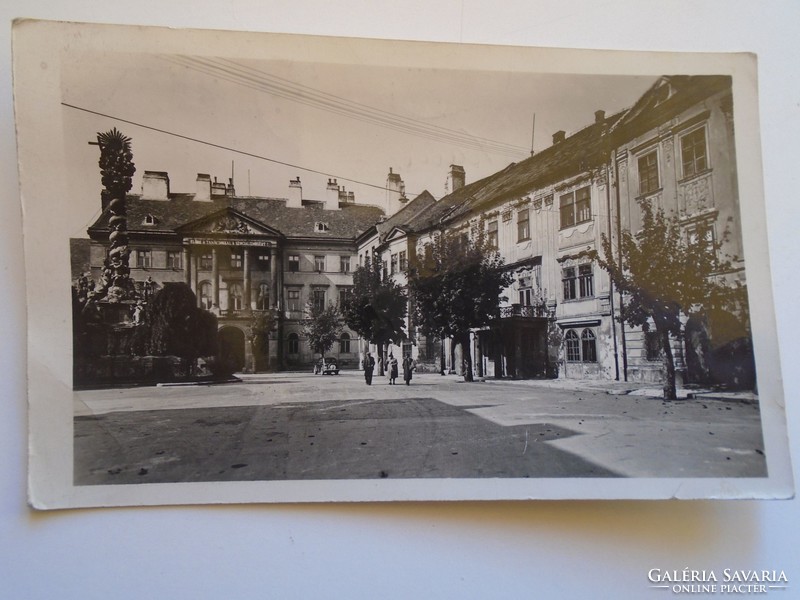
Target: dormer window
320, 227
149, 220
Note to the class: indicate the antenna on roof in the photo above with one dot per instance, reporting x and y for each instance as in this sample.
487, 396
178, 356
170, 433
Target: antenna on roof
533, 132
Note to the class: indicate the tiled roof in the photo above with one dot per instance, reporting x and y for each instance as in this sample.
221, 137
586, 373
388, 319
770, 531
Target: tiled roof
181, 209
574, 155
406, 214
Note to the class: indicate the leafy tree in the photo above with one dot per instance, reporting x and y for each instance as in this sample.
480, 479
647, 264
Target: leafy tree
665, 276
377, 307
116, 171
456, 286
322, 326
261, 325
175, 326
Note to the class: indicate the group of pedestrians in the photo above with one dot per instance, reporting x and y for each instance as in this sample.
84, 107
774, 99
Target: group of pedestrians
392, 368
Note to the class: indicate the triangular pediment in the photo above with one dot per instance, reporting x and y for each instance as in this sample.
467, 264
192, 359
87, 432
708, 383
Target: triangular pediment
396, 233
228, 222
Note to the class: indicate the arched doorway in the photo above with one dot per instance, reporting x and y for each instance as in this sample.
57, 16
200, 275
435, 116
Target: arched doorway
231, 347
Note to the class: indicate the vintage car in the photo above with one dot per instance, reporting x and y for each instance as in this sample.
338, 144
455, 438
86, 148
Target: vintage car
326, 366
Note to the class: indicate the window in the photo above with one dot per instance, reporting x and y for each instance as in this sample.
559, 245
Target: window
523, 225
235, 296
294, 263
492, 235
264, 262
321, 227
294, 343
576, 207
568, 281
174, 259
693, 152
702, 234
149, 220
385, 266
583, 205
236, 260
206, 300
262, 301
144, 259
318, 300
573, 345
344, 264
206, 261
293, 299
403, 262
393, 268
648, 173
588, 346
581, 349
578, 282
344, 295
344, 343
652, 345
525, 297
585, 281
319, 263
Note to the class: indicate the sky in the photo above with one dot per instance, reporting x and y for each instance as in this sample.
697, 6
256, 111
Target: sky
269, 121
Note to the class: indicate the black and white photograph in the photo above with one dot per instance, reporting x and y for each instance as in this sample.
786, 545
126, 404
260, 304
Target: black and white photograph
405, 300
347, 265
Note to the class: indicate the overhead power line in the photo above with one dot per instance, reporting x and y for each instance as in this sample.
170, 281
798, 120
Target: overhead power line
261, 81
227, 148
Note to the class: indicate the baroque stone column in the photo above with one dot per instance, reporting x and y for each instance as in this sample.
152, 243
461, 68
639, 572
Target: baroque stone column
246, 277
273, 278
187, 266
215, 278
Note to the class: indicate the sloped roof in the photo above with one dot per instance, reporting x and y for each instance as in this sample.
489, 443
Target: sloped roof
406, 214
455, 202
581, 151
574, 155
668, 96
181, 209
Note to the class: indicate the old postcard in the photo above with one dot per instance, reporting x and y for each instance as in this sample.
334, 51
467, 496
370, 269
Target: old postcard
271, 268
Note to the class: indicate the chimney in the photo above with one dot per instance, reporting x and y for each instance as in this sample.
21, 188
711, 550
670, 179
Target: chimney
217, 189
203, 193
295, 199
332, 192
395, 192
559, 136
456, 178
599, 116
230, 191
155, 185
332, 195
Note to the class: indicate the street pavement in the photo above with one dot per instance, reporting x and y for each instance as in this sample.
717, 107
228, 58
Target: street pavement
300, 426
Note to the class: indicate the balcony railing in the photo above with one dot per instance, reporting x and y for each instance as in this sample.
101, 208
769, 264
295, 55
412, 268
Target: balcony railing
519, 310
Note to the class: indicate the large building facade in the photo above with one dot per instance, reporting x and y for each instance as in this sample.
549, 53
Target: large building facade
245, 255
546, 215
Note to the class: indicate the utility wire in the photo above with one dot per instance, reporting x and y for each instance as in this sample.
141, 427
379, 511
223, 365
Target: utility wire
227, 148
284, 88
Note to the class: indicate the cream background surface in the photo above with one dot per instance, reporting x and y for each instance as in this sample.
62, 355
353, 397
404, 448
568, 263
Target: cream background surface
472, 550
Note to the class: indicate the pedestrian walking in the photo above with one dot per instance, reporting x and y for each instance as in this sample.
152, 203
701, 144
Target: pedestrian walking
408, 367
369, 367
392, 370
